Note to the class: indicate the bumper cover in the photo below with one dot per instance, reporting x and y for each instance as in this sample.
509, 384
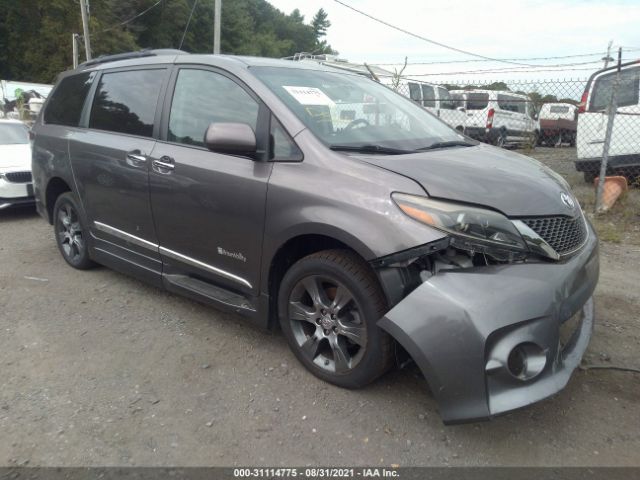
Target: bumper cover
456, 323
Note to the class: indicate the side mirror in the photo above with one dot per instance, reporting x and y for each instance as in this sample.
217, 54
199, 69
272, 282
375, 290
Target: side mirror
233, 138
461, 109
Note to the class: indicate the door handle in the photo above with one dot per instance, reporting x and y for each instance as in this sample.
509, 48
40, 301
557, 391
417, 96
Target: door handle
136, 159
163, 165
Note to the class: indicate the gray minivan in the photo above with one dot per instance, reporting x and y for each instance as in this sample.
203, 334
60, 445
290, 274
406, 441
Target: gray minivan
236, 181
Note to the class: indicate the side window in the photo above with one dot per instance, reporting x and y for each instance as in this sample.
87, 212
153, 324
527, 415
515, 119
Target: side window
628, 89
428, 96
446, 101
202, 97
125, 102
414, 92
67, 100
281, 144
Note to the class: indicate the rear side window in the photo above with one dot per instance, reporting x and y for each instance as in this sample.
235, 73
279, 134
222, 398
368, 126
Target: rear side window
66, 102
414, 92
457, 100
125, 102
202, 97
446, 101
627, 90
512, 104
428, 96
477, 101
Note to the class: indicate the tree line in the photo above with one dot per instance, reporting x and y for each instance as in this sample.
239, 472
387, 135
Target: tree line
35, 35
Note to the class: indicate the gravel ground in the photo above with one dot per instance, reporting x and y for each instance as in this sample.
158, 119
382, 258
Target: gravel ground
100, 369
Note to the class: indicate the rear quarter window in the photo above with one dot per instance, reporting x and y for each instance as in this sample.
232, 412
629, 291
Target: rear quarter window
67, 100
628, 89
477, 101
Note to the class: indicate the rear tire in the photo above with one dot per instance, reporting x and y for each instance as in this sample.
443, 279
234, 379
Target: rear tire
589, 177
71, 232
328, 306
501, 140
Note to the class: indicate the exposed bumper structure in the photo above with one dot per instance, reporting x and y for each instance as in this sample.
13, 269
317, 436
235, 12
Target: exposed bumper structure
461, 327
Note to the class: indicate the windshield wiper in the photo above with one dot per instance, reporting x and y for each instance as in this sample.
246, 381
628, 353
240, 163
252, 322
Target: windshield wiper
370, 149
453, 143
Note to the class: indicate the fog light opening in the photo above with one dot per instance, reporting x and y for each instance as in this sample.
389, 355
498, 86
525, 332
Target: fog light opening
526, 361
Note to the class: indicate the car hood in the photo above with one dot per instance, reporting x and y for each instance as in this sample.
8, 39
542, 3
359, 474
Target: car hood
15, 157
511, 183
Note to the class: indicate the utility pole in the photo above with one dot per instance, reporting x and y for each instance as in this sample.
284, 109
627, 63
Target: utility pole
608, 58
217, 11
74, 44
85, 28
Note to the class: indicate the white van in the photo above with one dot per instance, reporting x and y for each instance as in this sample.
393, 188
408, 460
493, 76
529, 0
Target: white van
434, 98
624, 149
498, 117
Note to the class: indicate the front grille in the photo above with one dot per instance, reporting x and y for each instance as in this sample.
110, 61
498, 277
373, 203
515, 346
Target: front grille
563, 234
18, 177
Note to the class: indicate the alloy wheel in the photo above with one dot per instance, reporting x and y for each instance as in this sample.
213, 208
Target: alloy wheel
69, 233
327, 323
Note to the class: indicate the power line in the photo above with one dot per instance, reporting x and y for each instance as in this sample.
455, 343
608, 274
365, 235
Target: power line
132, 18
508, 59
428, 40
195, 2
476, 72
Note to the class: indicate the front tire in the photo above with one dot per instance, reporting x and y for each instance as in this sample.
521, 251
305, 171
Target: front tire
328, 306
71, 232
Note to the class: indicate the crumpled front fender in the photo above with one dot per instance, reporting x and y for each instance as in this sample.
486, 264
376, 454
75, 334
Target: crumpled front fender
456, 320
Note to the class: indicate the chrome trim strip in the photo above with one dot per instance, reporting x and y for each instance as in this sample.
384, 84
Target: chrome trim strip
141, 242
169, 253
198, 264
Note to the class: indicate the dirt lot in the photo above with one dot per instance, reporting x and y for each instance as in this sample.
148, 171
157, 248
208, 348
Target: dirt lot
99, 369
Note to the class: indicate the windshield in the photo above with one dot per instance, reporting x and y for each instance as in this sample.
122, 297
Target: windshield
352, 110
13, 133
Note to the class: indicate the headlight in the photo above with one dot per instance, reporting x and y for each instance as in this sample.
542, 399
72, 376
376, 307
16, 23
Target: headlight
470, 228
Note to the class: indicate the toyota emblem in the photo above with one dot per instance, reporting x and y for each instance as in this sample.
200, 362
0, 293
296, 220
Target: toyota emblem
567, 200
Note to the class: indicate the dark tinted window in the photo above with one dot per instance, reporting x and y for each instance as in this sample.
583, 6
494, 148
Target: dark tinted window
428, 96
414, 92
66, 102
282, 146
446, 101
477, 101
627, 89
202, 97
512, 104
126, 102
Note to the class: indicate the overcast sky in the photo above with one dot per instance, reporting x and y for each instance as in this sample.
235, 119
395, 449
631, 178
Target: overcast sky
496, 28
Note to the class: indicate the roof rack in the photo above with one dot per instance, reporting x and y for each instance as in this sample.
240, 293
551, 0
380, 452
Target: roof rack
127, 55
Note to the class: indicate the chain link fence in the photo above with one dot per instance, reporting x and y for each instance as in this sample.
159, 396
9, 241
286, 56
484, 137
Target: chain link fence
588, 130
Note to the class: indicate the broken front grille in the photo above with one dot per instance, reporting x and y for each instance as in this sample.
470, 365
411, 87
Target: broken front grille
18, 177
563, 234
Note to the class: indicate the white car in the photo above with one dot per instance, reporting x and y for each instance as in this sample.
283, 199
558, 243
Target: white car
624, 148
434, 98
498, 117
16, 187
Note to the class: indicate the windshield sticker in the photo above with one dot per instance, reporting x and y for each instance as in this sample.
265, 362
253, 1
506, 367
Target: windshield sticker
309, 95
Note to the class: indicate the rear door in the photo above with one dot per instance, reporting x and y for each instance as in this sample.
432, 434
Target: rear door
110, 165
209, 207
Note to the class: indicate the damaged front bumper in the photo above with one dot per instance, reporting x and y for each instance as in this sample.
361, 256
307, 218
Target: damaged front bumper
468, 330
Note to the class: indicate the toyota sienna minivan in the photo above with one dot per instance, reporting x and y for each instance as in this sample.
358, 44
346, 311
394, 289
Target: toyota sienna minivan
228, 180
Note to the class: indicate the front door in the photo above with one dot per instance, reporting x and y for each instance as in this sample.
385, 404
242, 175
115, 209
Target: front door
110, 165
209, 207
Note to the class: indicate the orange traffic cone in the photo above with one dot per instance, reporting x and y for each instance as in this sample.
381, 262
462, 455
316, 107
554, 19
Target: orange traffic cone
611, 191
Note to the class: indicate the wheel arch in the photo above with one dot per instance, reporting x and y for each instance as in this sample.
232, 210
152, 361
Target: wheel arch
55, 187
297, 246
